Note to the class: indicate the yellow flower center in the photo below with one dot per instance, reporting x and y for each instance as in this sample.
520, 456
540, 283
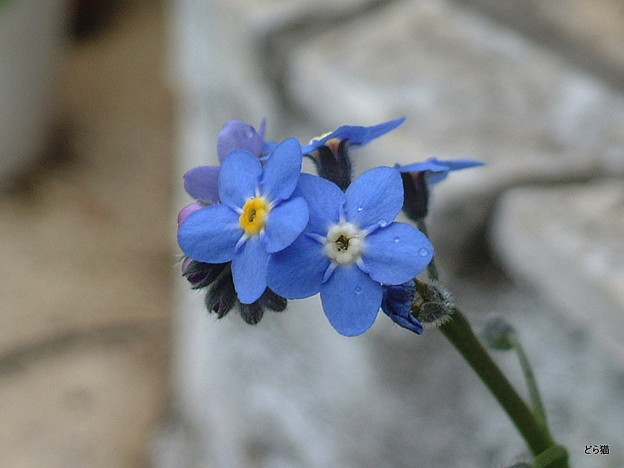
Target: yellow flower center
254, 214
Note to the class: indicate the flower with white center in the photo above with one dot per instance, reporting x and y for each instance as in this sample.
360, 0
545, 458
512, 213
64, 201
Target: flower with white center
350, 248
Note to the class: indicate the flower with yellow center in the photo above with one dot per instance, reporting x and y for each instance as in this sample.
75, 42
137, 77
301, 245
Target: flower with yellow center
257, 217
253, 217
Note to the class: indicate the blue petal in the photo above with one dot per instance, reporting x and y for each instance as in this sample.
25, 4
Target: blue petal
428, 165
210, 234
457, 164
249, 270
452, 165
202, 183
351, 300
239, 135
356, 135
375, 197
297, 271
239, 177
397, 253
325, 202
397, 304
269, 146
282, 170
284, 223
438, 168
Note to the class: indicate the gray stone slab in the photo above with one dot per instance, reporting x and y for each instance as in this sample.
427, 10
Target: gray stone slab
469, 87
290, 392
221, 53
588, 33
580, 382
567, 243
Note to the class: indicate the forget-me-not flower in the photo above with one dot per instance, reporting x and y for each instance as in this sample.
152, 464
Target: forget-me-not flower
350, 247
330, 152
258, 216
419, 177
353, 134
437, 169
202, 182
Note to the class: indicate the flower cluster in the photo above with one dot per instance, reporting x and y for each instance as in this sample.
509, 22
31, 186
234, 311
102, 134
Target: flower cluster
261, 231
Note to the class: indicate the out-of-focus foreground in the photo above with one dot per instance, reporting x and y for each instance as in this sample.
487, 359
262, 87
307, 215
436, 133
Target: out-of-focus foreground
85, 259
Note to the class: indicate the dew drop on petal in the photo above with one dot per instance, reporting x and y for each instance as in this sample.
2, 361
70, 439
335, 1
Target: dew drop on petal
397, 239
360, 208
358, 289
383, 223
248, 132
423, 252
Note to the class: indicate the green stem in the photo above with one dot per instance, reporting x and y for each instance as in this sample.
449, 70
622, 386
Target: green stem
532, 427
536, 399
460, 334
555, 456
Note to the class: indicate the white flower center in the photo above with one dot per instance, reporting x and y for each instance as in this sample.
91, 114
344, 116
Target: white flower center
344, 243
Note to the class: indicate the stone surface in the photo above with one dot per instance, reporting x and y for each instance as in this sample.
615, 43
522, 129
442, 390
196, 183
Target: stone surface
469, 87
579, 381
566, 242
589, 34
290, 392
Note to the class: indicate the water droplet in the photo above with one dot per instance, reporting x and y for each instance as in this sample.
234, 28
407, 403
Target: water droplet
358, 289
248, 132
383, 223
397, 239
360, 208
423, 252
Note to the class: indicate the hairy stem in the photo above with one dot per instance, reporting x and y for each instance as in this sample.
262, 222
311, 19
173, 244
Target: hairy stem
459, 332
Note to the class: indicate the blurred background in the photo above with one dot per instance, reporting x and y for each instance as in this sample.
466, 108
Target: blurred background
106, 358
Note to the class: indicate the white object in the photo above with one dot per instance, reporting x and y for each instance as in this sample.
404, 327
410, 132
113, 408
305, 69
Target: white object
31, 44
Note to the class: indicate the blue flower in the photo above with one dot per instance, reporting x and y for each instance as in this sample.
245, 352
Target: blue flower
258, 216
350, 247
397, 304
330, 153
436, 169
202, 182
419, 177
354, 135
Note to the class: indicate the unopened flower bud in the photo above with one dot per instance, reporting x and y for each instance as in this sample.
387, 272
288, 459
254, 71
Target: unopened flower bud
416, 195
498, 334
273, 301
397, 304
333, 162
221, 296
201, 274
251, 313
433, 304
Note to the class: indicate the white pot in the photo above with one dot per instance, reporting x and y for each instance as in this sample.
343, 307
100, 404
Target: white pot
31, 45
